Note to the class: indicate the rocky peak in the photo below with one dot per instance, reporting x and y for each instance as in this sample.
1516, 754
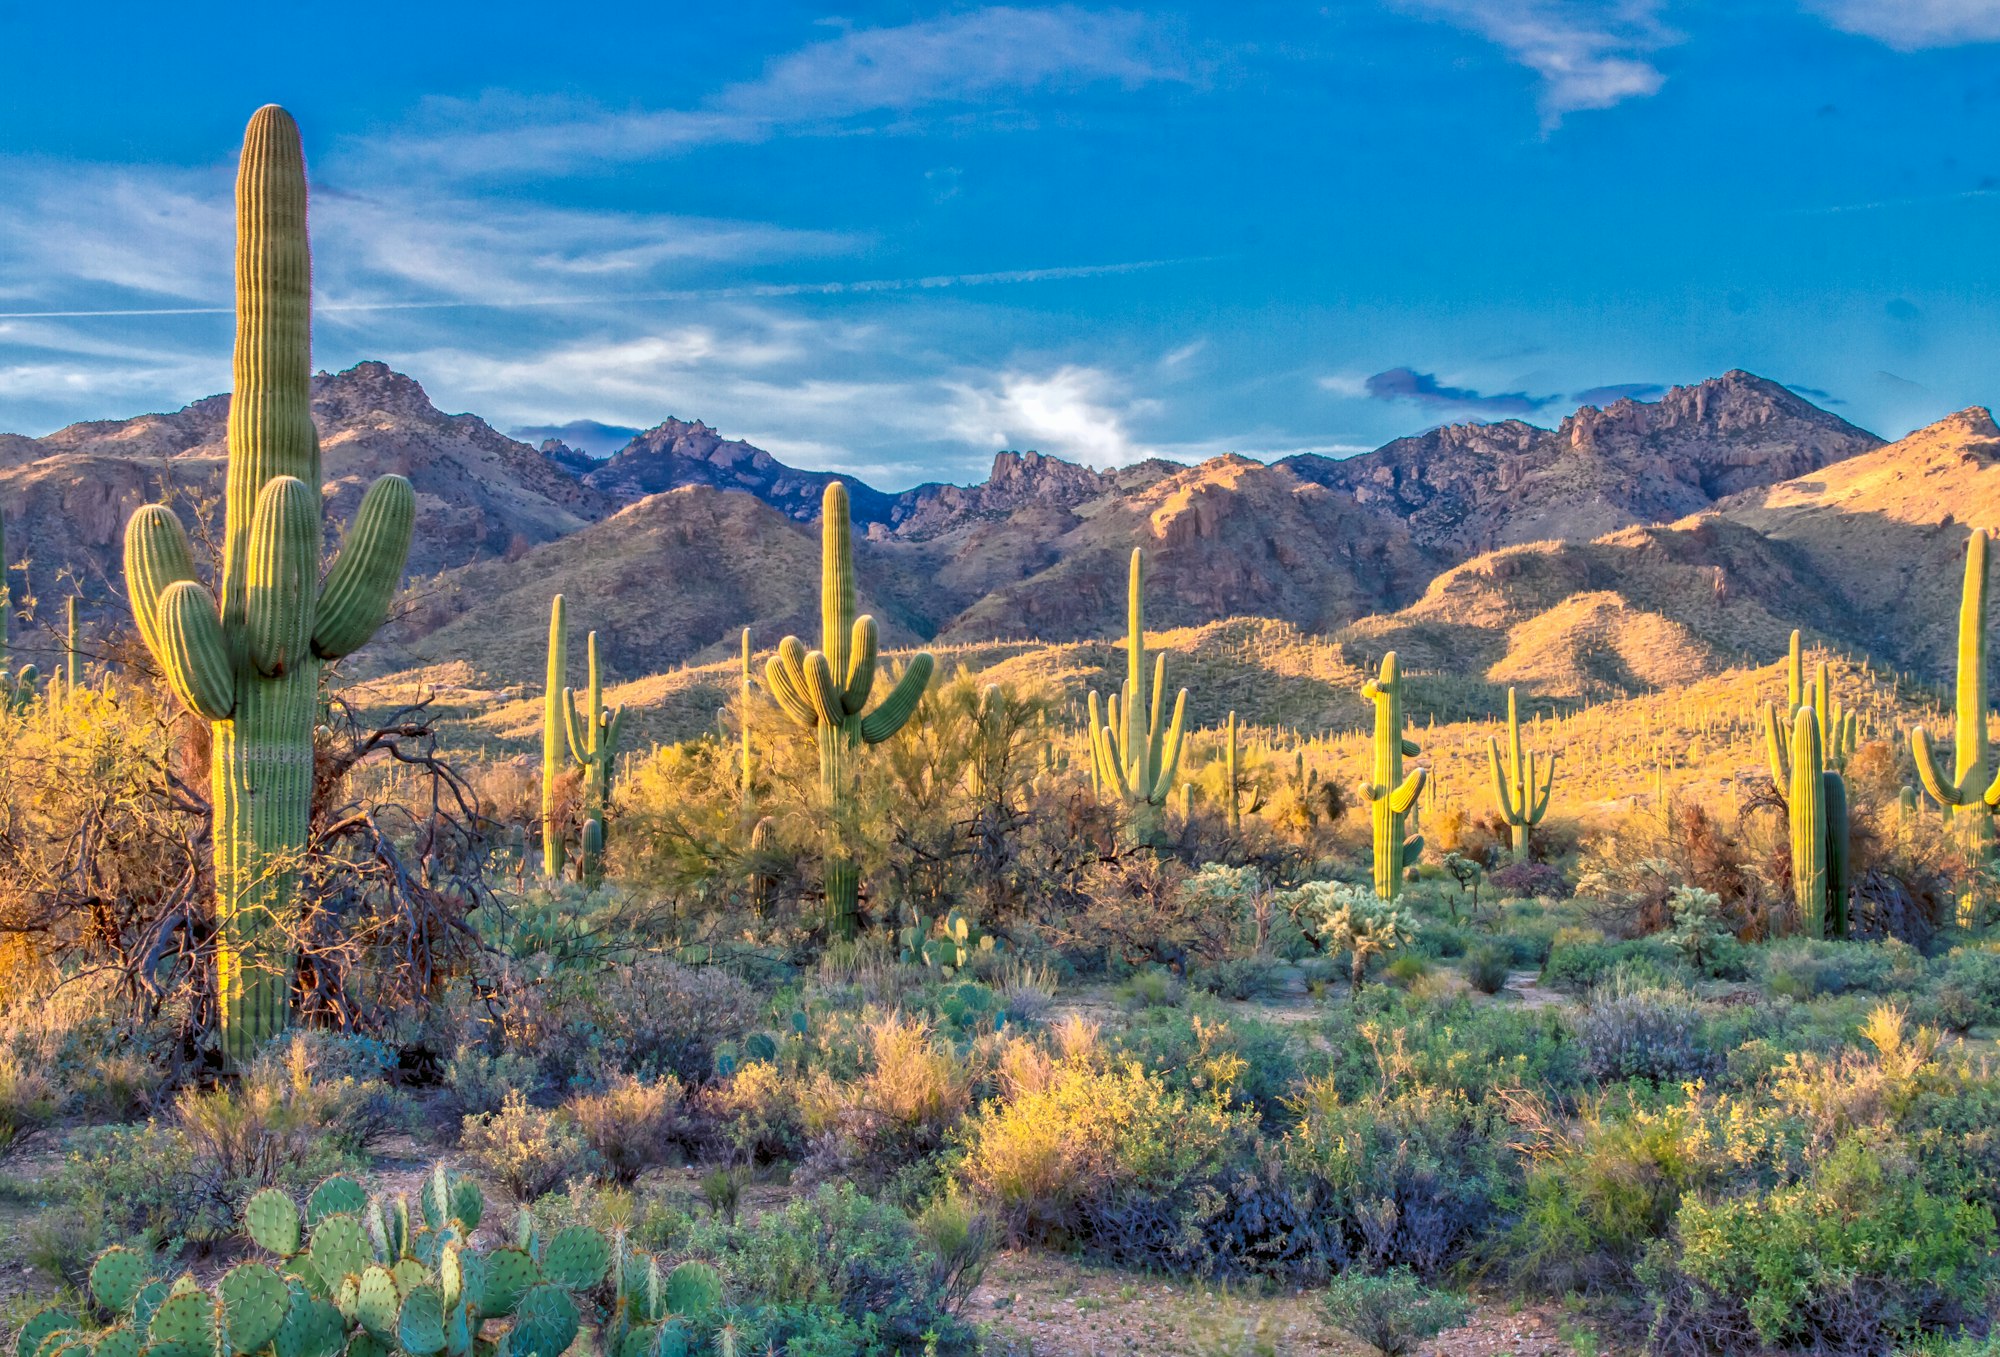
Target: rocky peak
371, 391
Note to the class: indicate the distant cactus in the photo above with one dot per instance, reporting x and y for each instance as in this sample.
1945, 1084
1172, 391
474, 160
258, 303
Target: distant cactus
1839, 731
763, 842
1522, 804
747, 773
554, 740
593, 743
1232, 771
827, 690
1390, 793
1973, 783
250, 663
1135, 754
72, 658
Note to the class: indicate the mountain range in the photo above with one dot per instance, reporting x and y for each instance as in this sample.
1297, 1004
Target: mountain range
1635, 546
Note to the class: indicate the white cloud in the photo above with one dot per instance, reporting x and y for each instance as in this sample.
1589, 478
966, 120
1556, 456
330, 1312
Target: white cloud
960, 58
1589, 53
1081, 413
1911, 24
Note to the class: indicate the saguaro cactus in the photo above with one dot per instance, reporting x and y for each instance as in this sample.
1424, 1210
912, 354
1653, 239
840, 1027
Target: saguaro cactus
1522, 804
250, 663
1839, 731
72, 659
749, 768
593, 743
1134, 752
1390, 793
554, 739
1232, 761
827, 690
1973, 782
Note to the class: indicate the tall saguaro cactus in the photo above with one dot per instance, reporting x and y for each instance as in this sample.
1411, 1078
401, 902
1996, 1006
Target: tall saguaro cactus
249, 662
554, 735
1973, 782
826, 691
748, 771
1839, 731
1134, 752
1817, 800
593, 743
1231, 769
1390, 793
1522, 804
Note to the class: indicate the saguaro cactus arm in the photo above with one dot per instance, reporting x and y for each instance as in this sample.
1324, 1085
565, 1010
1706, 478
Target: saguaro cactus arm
355, 599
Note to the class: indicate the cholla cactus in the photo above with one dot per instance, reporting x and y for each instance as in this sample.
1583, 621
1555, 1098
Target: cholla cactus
1135, 754
1522, 804
1390, 793
826, 691
1351, 919
247, 659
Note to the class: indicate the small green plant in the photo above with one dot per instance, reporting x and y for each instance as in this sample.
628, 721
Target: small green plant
1487, 965
528, 1150
1392, 1312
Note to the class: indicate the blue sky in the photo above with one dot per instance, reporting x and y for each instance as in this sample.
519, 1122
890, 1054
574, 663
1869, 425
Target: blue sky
898, 240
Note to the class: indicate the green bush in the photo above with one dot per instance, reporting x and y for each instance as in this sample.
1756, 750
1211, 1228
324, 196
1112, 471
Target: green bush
835, 1273
1857, 1257
1392, 1312
1486, 967
528, 1150
1631, 1032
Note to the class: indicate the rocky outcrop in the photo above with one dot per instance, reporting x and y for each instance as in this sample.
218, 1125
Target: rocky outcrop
1468, 488
676, 453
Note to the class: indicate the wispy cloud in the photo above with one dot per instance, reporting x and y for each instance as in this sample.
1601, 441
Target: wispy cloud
1620, 391
1908, 25
1423, 388
958, 59
1589, 53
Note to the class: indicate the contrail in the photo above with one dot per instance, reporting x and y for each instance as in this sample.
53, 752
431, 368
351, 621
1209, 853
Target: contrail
747, 291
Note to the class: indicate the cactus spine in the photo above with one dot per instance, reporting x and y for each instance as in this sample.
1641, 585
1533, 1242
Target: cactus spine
1522, 806
593, 743
1973, 782
1390, 793
826, 691
250, 663
554, 749
1133, 751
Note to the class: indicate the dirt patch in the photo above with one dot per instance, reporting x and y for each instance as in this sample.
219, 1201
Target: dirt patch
1045, 1305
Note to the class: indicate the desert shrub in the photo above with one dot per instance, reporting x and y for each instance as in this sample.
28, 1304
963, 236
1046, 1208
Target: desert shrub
146, 1181
329, 1057
660, 1017
527, 1150
1255, 1063
1435, 938
1534, 879
835, 1273
1401, 1179
477, 1082
285, 1117
964, 1237
1239, 977
1392, 1312
1452, 1045
887, 1122
1857, 1257
27, 1103
1027, 990
1631, 1032
1806, 968
1108, 1159
1580, 961
1152, 987
1600, 1189
1486, 967
756, 1114
633, 1124
1406, 971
